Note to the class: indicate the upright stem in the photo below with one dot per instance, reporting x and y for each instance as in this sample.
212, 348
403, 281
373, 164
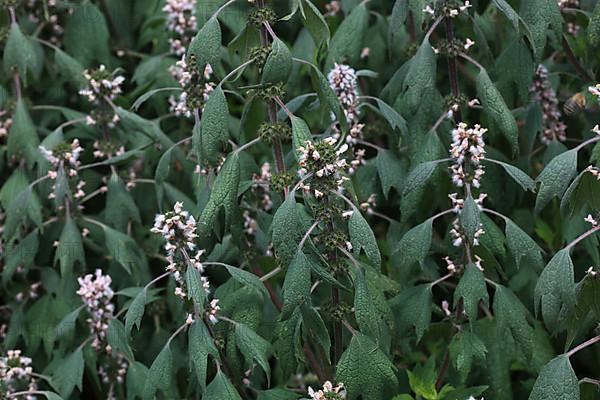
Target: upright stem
573, 60
335, 298
452, 70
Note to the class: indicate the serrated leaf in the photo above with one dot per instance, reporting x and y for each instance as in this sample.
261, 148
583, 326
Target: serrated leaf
206, 45
159, 374
296, 285
365, 370
393, 118
390, 171
495, 107
555, 178
214, 131
118, 339
18, 52
542, 16
195, 290
86, 35
201, 345
366, 315
135, 312
69, 67
555, 288
66, 326
69, 374
279, 63
23, 138
70, 248
472, 289
469, 218
120, 207
412, 307
122, 248
221, 389
254, 348
287, 232
137, 373
347, 41
465, 348
511, 315
420, 76
418, 177
557, 381
522, 246
246, 278
300, 135
414, 245
362, 237
518, 176
23, 254
315, 23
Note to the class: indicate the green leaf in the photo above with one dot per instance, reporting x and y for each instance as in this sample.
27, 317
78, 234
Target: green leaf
365, 370
279, 63
162, 171
214, 131
296, 285
254, 348
201, 345
314, 327
118, 339
206, 45
469, 218
495, 107
390, 170
412, 307
522, 246
221, 389
519, 176
122, 248
465, 348
137, 373
23, 254
512, 315
247, 278
418, 177
18, 52
327, 96
277, 394
300, 135
66, 327
86, 35
69, 374
362, 237
366, 314
135, 312
393, 118
223, 195
472, 289
22, 138
120, 208
509, 12
555, 178
542, 17
347, 41
557, 381
70, 248
315, 23
414, 245
593, 29
71, 69
195, 290
159, 375
420, 76
555, 287
287, 232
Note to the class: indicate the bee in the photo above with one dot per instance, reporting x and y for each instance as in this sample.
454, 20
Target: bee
575, 104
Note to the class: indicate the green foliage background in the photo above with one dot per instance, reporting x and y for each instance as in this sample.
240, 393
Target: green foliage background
511, 330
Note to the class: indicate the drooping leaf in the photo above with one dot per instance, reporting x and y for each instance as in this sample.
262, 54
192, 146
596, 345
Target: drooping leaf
315, 23
418, 177
557, 381
201, 345
522, 246
542, 17
69, 374
362, 237
390, 170
214, 131
118, 338
555, 178
366, 315
135, 312
519, 176
279, 63
206, 45
159, 374
254, 348
365, 370
300, 135
415, 243
469, 218
346, 43
472, 289
420, 76
286, 231
19, 53
221, 389
22, 138
511, 316
412, 307
70, 248
465, 348
296, 285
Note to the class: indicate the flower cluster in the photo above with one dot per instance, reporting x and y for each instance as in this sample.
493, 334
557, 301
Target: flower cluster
178, 228
552, 126
64, 159
181, 20
467, 151
195, 87
572, 26
321, 161
102, 87
16, 375
96, 294
343, 80
594, 171
447, 8
50, 15
329, 392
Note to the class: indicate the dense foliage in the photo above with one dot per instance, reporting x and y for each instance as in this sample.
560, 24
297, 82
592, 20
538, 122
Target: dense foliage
287, 199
